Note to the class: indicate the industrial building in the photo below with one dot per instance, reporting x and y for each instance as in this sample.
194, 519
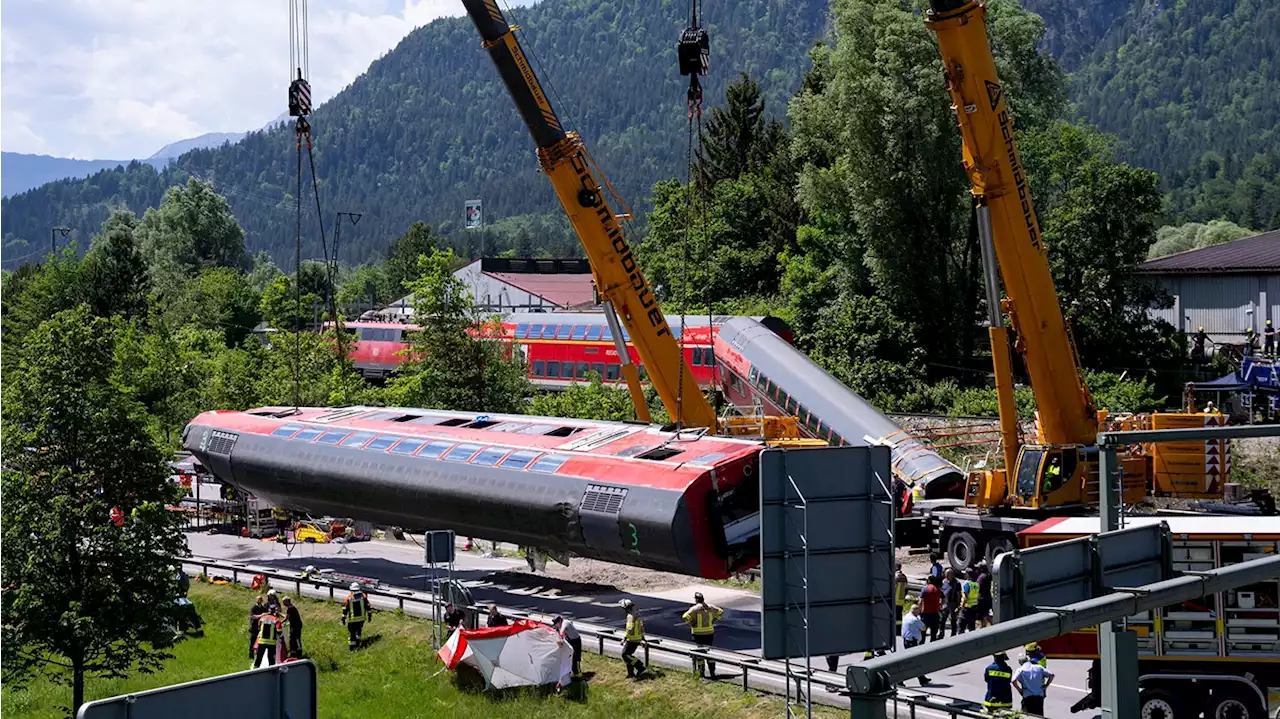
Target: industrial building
502, 285
1225, 288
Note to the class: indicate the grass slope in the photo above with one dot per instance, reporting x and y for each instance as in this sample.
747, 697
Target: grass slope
396, 675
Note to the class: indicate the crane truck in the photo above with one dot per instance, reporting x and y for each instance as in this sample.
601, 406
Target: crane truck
625, 292
1054, 473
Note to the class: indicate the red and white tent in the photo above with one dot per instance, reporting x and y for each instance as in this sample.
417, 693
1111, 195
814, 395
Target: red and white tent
524, 653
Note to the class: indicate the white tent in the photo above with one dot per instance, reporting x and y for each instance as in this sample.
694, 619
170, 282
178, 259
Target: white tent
524, 653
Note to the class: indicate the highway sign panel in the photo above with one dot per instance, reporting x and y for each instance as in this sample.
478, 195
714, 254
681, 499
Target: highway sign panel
283, 691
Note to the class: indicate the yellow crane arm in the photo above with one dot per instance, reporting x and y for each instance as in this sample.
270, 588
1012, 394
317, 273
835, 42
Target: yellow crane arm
1067, 411
618, 277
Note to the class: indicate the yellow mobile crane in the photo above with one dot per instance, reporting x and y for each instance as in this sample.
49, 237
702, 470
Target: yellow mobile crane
624, 291
1058, 472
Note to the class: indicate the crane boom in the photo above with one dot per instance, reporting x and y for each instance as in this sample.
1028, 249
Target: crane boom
1067, 411
618, 277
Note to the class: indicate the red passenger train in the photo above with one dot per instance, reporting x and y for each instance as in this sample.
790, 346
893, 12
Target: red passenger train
620, 492
560, 348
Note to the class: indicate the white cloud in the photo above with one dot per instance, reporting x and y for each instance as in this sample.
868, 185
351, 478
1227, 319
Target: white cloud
117, 79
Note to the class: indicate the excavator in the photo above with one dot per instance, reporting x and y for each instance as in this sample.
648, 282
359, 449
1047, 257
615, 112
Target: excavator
625, 292
1054, 472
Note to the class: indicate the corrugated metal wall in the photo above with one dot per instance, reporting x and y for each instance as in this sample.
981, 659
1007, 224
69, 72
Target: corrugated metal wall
1224, 305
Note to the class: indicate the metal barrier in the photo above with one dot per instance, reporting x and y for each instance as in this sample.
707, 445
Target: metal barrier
832, 682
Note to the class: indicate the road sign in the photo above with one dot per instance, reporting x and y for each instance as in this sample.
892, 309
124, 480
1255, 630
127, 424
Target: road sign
1063, 573
438, 547
474, 217
285, 690
826, 551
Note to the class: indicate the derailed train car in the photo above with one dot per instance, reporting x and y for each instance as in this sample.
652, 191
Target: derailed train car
619, 492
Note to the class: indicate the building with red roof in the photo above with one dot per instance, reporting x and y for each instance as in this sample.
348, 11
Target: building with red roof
501, 284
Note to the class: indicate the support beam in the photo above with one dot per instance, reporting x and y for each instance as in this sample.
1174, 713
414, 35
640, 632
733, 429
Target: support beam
1195, 434
1119, 654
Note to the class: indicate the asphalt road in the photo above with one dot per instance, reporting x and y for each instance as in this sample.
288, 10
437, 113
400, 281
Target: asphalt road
490, 580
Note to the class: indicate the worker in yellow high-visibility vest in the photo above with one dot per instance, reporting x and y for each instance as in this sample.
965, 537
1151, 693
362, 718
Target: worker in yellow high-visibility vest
970, 591
899, 597
632, 640
702, 618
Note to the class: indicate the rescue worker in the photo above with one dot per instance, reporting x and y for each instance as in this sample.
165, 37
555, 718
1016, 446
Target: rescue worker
1198, 341
282, 520
355, 612
496, 618
453, 617
632, 640
999, 678
1036, 654
913, 633
1269, 340
702, 618
268, 636
969, 593
1052, 475
294, 618
1032, 682
569, 634
255, 614
1250, 341
273, 601
952, 600
984, 595
931, 607
899, 596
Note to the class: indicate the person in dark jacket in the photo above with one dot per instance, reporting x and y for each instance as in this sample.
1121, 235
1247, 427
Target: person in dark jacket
255, 613
294, 618
999, 678
952, 600
496, 618
453, 617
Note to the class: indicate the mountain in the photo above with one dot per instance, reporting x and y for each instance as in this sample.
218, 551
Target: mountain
21, 171
209, 139
430, 125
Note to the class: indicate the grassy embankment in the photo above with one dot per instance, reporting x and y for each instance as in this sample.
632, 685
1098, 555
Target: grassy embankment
395, 676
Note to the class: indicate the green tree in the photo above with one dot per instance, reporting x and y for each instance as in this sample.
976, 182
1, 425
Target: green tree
219, 298
401, 266
593, 400
283, 310
861, 343
739, 137
1194, 235
115, 273
455, 361
82, 595
365, 286
34, 293
192, 229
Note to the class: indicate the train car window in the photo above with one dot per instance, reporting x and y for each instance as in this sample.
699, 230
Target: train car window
549, 463
357, 440
408, 446
583, 369
332, 437
522, 330
435, 449
453, 422
606, 334
406, 417
380, 443
518, 460
824, 432
481, 424
660, 453
564, 332
566, 370
488, 456
709, 357
792, 405
696, 359
753, 375
579, 332
612, 371
597, 368
549, 332
308, 434
564, 431
286, 431
461, 453
535, 331
593, 333
553, 369
539, 368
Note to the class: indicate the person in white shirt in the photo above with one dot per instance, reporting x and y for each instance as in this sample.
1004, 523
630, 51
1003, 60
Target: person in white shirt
1031, 681
571, 636
913, 632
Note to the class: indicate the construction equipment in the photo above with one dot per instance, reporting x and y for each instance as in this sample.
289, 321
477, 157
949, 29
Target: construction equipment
624, 290
1055, 473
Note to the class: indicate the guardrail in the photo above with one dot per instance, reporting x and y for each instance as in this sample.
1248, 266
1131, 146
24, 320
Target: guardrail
833, 683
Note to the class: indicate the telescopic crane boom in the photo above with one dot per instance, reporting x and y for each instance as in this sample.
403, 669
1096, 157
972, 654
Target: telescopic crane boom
621, 283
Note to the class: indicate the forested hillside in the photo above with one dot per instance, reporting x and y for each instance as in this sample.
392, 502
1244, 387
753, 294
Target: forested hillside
429, 125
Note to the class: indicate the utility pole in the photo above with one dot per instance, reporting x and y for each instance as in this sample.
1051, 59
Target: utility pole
53, 237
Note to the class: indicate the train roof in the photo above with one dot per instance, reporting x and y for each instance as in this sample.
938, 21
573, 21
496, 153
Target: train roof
651, 455
583, 318
1182, 526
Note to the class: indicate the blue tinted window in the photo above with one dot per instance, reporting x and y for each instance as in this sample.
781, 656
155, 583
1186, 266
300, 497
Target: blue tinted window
564, 332
522, 330
536, 429
518, 460
579, 332
626, 336
332, 436
535, 331
287, 430
462, 452
549, 333
408, 446
309, 434
381, 443
357, 440
488, 457
549, 463
593, 333
435, 449
606, 334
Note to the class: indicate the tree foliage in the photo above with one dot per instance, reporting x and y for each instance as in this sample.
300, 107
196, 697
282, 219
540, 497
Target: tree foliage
1195, 235
116, 279
82, 595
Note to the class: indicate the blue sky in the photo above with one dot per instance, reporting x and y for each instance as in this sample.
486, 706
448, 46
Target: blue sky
118, 79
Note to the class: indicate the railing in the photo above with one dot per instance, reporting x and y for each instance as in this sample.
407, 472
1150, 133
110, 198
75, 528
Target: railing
751, 667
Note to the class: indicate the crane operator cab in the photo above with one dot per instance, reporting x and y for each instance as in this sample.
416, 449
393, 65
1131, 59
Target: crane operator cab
1044, 472
1051, 477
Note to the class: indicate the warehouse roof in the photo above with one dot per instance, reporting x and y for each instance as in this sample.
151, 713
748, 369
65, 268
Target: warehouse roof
1257, 254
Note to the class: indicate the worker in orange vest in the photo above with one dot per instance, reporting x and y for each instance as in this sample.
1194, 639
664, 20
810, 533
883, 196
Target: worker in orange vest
268, 638
355, 612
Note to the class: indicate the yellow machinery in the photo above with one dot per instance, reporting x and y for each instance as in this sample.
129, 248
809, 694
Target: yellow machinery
1059, 469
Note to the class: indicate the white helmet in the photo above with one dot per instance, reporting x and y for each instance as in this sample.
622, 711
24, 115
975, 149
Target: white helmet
355, 586
626, 604
271, 592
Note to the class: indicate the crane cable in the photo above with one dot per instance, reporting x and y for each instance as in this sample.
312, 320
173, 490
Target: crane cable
693, 54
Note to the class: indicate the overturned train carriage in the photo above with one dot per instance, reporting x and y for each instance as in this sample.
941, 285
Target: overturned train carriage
618, 492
